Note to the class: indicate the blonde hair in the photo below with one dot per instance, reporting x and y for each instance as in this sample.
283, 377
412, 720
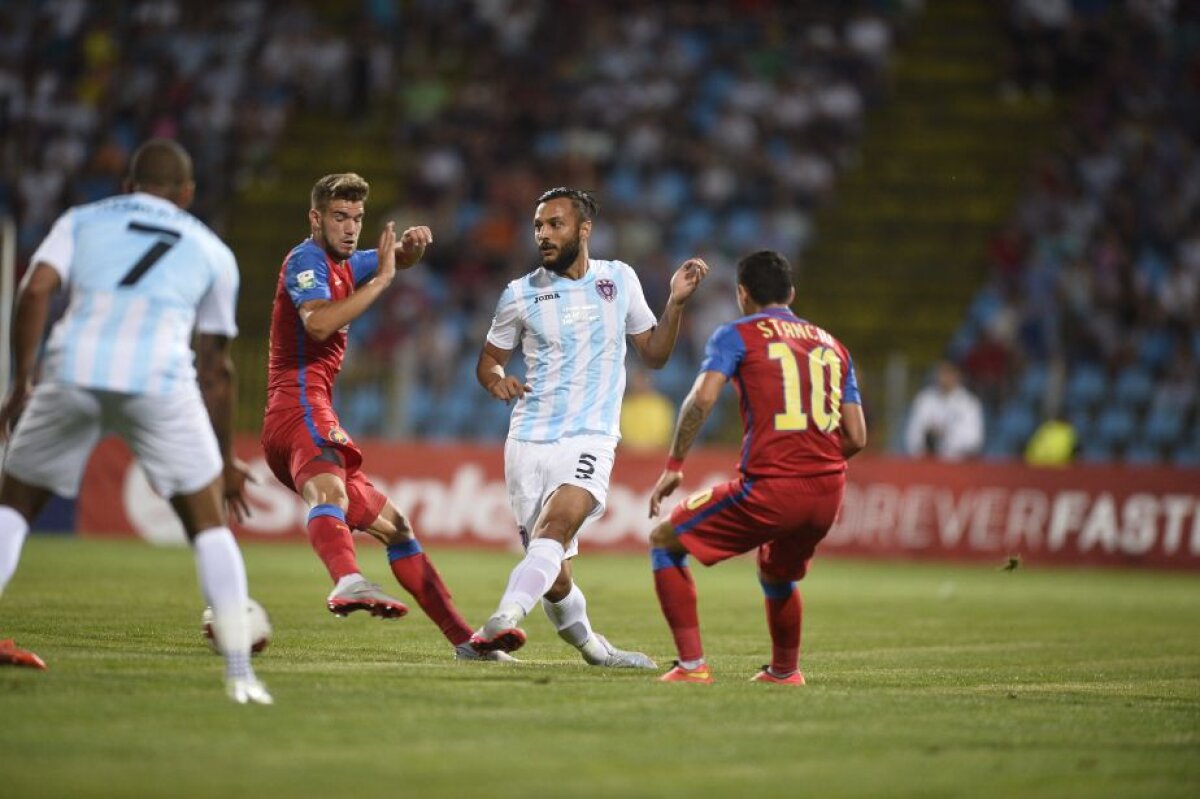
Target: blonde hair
342, 186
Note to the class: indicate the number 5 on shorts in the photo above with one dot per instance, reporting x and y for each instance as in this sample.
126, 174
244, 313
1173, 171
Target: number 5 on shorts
586, 467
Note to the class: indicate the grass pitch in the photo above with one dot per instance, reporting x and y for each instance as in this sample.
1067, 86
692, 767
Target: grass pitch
924, 680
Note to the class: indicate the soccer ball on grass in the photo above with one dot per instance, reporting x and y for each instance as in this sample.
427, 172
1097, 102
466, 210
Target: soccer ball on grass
256, 616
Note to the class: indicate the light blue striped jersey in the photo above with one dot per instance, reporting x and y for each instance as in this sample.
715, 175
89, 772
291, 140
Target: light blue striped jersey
141, 274
573, 335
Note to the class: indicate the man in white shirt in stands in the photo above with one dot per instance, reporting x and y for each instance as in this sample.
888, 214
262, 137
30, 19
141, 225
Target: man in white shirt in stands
946, 421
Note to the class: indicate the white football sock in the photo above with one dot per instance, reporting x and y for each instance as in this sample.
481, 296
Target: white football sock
222, 576
569, 617
13, 529
532, 577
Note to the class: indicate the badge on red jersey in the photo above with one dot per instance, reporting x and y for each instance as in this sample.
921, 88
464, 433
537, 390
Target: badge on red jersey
338, 436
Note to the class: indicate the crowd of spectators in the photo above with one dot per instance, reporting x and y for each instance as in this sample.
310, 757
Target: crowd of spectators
82, 84
707, 129
1092, 313
702, 128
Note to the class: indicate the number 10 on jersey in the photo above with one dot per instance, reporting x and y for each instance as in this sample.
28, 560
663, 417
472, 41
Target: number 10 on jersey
826, 389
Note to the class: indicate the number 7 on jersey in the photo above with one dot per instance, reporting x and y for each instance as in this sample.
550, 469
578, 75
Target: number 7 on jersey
167, 238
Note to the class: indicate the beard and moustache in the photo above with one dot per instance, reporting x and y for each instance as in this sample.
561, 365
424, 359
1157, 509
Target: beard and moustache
567, 254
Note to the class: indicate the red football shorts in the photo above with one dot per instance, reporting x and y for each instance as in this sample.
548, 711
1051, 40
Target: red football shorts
300, 445
784, 517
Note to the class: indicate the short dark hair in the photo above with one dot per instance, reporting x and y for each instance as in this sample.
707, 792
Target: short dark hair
340, 186
767, 276
160, 164
583, 202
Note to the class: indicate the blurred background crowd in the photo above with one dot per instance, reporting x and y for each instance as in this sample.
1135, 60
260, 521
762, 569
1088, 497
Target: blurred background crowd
704, 129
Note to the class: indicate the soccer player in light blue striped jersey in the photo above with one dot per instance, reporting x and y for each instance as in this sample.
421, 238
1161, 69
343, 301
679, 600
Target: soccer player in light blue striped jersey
571, 317
142, 275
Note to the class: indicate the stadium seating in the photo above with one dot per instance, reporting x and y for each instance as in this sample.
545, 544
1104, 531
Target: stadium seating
1115, 427
1089, 272
1134, 387
1086, 386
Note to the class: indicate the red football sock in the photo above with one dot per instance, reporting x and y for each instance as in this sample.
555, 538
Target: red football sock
331, 540
677, 596
783, 620
419, 577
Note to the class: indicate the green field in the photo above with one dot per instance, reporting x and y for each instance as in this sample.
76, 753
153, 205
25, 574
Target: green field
924, 680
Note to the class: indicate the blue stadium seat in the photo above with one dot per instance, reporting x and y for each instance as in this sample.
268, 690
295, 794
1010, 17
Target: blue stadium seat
1081, 420
1156, 348
1016, 424
1163, 428
1086, 386
1115, 426
1033, 383
1095, 451
1187, 456
491, 420
458, 410
1143, 454
999, 448
1134, 387
363, 412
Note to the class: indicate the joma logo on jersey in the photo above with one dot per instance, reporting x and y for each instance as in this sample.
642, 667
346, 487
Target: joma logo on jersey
551, 296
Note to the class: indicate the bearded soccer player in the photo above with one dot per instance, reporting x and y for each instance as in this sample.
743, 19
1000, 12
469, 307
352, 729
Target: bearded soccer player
326, 283
803, 419
571, 316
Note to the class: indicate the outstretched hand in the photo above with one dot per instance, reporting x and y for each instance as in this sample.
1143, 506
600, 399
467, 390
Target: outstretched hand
387, 254
237, 474
686, 278
668, 481
412, 246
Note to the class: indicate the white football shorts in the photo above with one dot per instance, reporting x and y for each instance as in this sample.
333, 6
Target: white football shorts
171, 437
533, 470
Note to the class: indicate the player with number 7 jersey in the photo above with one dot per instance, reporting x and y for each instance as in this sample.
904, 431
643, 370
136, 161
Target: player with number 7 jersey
144, 279
803, 418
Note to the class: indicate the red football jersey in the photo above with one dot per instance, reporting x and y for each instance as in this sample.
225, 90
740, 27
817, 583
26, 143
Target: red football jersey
300, 369
792, 379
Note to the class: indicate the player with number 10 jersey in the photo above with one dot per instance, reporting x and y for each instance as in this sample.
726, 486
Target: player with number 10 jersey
803, 418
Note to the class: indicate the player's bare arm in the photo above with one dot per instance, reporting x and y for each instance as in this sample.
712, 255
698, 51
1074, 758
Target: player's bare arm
692, 415
654, 346
854, 429
218, 385
490, 374
29, 320
323, 318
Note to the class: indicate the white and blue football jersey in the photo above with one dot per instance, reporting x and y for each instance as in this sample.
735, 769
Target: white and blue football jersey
573, 335
141, 274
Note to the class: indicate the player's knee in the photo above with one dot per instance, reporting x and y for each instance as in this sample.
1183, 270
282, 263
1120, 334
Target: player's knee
663, 536
558, 528
326, 492
401, 532
776, 574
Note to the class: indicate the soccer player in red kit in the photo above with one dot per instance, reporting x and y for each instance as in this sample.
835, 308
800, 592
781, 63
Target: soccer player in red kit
803, 419
325, 284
